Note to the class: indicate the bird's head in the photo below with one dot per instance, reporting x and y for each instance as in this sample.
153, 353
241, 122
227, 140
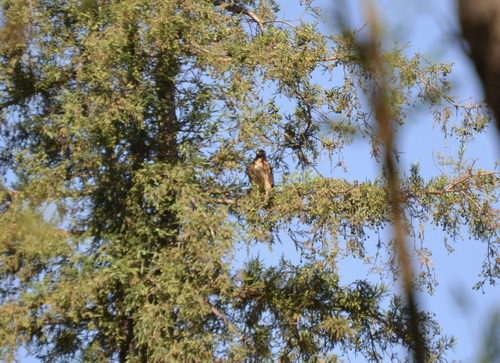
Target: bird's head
261, 154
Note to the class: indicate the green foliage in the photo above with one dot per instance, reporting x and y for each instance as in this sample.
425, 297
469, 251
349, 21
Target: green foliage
128, 126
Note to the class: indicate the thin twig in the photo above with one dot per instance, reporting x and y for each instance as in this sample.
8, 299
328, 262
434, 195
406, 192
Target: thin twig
204, 215
372, 16
226, 321
237, 9
150, 279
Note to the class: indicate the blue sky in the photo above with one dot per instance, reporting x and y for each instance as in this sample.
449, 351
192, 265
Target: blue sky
431, 28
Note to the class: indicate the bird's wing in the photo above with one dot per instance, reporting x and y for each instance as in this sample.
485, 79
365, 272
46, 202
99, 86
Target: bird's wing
252, 174
268, 175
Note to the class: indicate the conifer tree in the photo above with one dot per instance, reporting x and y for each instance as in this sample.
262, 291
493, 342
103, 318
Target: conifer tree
126, 130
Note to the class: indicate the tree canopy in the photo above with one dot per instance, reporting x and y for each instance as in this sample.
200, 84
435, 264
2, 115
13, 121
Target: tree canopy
126, 130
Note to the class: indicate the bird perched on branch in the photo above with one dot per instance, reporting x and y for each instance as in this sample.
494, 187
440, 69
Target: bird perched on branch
261, 173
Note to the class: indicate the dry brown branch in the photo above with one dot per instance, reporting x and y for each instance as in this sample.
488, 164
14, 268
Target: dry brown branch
256, 19
225, 320
461, 179
150, 279
237, 9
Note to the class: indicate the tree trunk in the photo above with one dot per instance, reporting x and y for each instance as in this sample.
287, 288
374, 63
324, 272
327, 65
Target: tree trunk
168, 128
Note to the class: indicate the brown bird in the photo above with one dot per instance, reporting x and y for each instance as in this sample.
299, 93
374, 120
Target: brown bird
261, 173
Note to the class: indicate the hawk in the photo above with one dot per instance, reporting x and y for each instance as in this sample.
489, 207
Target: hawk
261, 173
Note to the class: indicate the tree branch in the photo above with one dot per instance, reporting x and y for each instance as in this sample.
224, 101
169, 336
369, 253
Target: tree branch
237, 9
226, 321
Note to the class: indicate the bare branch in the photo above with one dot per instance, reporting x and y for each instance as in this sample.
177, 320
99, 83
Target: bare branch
226, 321
237, 9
